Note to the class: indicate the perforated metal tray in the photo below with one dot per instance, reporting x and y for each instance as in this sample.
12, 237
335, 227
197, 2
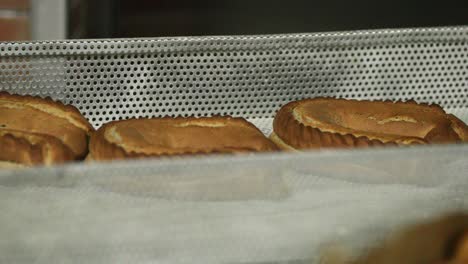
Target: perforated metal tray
264, 208
249, 76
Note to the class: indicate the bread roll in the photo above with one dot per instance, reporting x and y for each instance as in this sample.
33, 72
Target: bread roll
331, 123
166, 136
40, 131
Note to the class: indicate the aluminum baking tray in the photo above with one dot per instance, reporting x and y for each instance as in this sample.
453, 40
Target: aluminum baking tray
259, 208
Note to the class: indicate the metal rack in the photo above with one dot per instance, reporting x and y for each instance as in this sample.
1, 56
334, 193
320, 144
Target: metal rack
248, 209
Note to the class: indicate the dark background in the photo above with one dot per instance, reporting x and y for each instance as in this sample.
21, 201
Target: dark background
152, 18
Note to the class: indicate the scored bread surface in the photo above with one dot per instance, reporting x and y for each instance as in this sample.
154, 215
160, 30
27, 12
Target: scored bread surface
54, 108
176, 136
40, 125
329, 122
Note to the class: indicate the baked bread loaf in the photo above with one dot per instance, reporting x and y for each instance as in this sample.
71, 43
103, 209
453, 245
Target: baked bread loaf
35, 131
329, 122
135, 138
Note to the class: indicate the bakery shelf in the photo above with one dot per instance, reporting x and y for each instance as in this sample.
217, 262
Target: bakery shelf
258, 208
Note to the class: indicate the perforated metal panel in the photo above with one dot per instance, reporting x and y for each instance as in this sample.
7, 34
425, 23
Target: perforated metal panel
249, 209
249, 76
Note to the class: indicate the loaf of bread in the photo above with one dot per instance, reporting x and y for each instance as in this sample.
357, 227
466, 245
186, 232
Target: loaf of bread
329, 123
135, 138
40, 131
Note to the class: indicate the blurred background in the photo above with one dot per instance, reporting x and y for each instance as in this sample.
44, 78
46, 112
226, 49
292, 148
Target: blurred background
60, 19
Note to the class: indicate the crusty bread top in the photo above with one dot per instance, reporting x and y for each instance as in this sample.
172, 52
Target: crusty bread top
174, 136
385, 121
370, 118
45, 116
47, 105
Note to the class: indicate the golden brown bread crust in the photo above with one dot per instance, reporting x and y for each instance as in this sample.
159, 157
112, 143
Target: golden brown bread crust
72, 112
43, 117
32, 149
329, 122
281, 144
156, 137
459, 127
